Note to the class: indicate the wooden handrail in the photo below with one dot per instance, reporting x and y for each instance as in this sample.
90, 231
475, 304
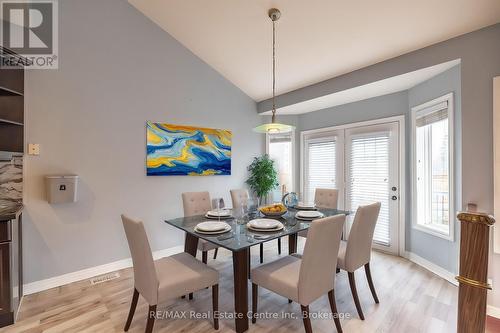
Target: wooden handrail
473, 271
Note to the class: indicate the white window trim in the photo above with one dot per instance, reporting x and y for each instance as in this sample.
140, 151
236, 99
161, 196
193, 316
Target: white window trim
451, 146
402, 165
294, 144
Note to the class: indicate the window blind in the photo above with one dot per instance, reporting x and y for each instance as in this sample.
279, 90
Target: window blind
432, 114
321, 166
274, 138
369, 174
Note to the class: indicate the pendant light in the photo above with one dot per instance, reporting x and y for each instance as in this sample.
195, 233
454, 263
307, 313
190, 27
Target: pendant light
273, 126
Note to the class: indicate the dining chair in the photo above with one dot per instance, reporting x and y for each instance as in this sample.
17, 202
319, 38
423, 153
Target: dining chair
305, 278
356, 252
199, 203
240, 197
324, 198
167, 278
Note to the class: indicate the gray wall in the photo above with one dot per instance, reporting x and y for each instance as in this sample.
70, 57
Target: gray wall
117, 70
439, 251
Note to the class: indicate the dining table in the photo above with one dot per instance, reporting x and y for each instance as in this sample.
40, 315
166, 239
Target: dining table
239, 240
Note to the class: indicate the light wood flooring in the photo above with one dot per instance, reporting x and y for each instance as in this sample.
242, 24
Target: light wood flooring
412, 299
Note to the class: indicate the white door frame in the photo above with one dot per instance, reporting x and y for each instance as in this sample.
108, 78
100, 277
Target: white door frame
402, 164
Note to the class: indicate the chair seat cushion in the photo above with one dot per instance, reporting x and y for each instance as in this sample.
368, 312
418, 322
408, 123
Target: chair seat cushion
280, 276
204, 245
341, 256
182, 274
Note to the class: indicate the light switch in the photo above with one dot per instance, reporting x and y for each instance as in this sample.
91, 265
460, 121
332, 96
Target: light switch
33, 149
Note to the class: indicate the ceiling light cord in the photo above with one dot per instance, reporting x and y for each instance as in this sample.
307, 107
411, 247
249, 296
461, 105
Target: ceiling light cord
274, 71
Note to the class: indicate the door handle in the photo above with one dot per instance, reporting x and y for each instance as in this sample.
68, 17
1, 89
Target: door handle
394, 197
394, 188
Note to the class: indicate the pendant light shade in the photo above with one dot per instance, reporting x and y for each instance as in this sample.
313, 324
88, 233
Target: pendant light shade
273, 126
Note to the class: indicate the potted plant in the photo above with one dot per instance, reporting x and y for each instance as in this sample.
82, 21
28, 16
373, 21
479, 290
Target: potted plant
263, 177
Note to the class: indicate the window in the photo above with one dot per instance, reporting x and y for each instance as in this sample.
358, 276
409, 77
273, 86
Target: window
280, 149
433, 166
320, 166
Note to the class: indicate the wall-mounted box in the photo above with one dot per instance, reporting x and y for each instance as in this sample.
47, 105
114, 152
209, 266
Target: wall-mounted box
61, 189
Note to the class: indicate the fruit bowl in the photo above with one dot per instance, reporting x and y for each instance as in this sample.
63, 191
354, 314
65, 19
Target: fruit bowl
273, 210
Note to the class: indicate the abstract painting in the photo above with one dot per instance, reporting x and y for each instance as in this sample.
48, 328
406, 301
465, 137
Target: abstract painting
174, 150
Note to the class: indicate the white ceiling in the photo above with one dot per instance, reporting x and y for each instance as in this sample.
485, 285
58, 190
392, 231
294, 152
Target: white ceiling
317, 39
374, 89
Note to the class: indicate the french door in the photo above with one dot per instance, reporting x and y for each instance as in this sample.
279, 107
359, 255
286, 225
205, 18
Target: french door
362, 162
372, 174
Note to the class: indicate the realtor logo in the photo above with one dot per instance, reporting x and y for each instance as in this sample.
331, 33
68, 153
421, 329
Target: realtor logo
30, 29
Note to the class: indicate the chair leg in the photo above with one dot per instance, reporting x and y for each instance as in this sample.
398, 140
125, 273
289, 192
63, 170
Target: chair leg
190, 296
354, 292
261, 253
306, 319
215, 305
151, 319
204, 257
215, 253
289, 301
370, 282
335, 313
279, 246
255, 296
133, 305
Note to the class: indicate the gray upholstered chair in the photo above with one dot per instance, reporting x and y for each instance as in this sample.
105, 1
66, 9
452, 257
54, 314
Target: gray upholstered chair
356, 252
164, 279
240, 197
305, 278
199, 203
324, 198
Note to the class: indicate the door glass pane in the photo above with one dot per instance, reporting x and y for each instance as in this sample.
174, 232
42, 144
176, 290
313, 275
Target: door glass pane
321, 167
369, 176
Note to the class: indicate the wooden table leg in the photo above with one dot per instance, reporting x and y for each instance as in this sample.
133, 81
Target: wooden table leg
292, 243
191, 244
240, 269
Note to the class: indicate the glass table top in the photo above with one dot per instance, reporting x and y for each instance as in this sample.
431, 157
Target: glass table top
240, 237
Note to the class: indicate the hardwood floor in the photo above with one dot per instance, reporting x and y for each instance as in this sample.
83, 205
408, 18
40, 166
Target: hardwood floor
412, 299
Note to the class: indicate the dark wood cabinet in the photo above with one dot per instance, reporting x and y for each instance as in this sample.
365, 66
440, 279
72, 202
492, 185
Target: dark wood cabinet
11, 81
11, 107
10, 269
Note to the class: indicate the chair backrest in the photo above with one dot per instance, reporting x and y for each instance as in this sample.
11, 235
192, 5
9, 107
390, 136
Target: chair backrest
319, 261
326, 198
196, 203
239, 197
145, 278
359, 243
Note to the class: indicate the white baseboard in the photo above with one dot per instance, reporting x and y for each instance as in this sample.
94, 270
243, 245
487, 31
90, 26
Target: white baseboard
493, 311
57, 281
439, 271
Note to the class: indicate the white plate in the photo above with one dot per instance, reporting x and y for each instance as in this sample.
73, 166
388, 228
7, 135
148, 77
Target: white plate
228, 228
220, 213
264, 224
278, 228
309, 214
306, 205
211, 226
217, 217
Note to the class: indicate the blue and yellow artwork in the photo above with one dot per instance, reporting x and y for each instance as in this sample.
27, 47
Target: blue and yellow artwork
174, 150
